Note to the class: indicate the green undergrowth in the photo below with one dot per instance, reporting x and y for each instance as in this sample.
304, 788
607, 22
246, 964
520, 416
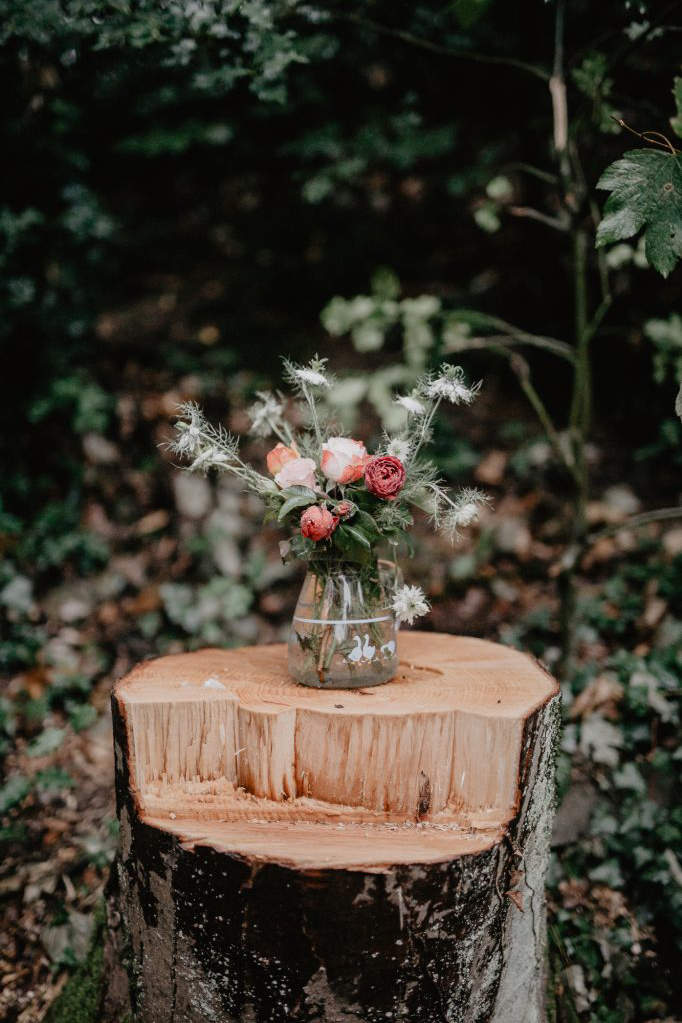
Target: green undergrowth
81, 999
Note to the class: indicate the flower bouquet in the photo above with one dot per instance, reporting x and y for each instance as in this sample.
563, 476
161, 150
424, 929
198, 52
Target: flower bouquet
346, 508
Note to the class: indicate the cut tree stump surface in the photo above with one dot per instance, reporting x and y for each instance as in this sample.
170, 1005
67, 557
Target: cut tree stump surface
226, 750
293, 855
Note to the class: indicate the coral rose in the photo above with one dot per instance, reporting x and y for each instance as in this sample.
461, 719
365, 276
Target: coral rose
279, 456
318, 523
343, 459
385, 476
299, 472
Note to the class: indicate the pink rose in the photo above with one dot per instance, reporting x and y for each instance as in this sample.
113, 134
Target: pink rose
299, 472
279, 456
343, 459
318, 523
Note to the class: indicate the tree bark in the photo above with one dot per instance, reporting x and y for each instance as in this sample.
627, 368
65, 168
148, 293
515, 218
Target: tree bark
440, 917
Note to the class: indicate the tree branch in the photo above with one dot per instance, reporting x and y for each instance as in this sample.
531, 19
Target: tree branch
522, 371
573, 553
512, 338
445, 51
533, 214
635, 522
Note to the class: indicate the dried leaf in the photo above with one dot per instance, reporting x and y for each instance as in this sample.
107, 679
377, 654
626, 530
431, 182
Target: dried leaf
517, 898
602, 694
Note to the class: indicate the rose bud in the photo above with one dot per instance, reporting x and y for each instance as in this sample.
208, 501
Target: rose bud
343, 459
299, 472
385, 476
344, 509
318, 523
278, 458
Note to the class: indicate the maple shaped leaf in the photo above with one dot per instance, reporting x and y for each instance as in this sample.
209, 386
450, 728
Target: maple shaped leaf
646, 192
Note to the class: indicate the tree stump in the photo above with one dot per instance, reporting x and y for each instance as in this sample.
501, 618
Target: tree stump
300, 854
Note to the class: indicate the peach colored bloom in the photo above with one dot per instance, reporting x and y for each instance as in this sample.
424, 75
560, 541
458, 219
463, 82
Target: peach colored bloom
343, 459
318, 523
279, 456
299, 472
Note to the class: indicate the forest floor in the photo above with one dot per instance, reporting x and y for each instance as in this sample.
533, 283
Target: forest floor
156, 561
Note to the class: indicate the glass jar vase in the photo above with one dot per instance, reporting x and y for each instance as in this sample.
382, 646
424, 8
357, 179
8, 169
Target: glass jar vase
344, 634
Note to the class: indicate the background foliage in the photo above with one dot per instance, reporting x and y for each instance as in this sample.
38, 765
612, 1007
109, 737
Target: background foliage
190, 185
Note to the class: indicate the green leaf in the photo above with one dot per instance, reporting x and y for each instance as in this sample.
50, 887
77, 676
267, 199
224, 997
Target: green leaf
468, 12
678, 402
368, 524
385, 283
47, 742
302, 547
352, 543
298, 491
296, 501
359, 535
646, 192
676, 121
13, 792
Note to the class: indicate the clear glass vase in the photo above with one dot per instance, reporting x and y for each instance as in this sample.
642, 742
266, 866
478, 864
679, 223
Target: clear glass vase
344, 634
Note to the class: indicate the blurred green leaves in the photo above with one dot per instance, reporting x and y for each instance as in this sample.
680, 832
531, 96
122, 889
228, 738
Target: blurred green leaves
203, 611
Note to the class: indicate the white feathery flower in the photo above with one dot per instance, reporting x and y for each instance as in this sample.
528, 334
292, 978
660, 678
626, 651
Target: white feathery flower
210, 458
311, 376
188, 440
451, 386
467, 514
264, 413
399, 448
411, 404
188, 430
409, 603
463, 511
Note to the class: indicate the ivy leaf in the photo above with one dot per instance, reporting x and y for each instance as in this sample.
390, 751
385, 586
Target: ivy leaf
646, 192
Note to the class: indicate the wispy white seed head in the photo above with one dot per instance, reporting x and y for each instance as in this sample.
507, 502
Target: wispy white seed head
467, 514
311, 376
412, 405
264, 414
210, 458
450, 384
399, 448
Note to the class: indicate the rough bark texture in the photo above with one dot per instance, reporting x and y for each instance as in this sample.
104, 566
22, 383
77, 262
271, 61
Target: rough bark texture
213, 937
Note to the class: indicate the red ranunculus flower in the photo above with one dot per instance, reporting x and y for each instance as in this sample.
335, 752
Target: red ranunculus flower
385, 476
318, 523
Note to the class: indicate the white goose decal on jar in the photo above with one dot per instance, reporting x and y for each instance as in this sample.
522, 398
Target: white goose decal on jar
362, 651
